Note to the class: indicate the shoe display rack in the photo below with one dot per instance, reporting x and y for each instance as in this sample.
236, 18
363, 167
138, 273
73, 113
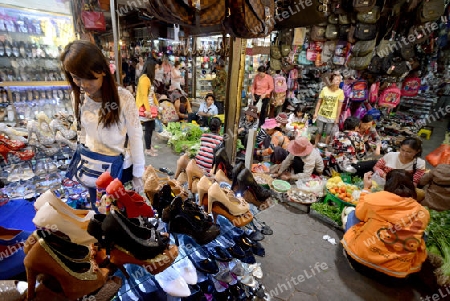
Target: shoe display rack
203, 77
418, 106
30, 73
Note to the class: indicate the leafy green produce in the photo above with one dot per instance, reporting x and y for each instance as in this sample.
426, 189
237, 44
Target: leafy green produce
438, 243
239, 145
329, 211
185, 137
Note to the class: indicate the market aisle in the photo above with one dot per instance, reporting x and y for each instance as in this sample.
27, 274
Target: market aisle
301, 265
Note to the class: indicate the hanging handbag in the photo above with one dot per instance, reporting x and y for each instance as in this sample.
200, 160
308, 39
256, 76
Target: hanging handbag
301, 14
275, 52
92, 20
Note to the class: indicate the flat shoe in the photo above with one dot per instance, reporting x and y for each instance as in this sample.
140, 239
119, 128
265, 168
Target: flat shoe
256, 236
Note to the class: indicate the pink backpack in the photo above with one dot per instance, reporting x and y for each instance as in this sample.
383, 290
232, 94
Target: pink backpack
390, 97
410, 86
373, 93
280, 84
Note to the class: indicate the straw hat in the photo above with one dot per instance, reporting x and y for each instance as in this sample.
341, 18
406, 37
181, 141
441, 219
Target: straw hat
163, 97
270, 123
282, 118
252, 111
300, 147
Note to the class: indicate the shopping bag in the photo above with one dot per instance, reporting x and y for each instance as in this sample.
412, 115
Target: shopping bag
440, 155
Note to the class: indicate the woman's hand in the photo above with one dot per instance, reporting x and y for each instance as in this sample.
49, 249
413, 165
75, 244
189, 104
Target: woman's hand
138, 184
368, 180
285, 177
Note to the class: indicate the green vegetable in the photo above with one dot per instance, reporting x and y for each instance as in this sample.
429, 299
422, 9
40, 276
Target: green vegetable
438, 243
239, 145
329, 211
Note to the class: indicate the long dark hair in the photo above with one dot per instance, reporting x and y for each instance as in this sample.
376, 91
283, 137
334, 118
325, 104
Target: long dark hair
415, 144
398, 181
83, 58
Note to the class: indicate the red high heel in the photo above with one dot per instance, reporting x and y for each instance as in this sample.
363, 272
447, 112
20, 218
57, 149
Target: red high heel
24, 155
4, 150
11, 144
134, 204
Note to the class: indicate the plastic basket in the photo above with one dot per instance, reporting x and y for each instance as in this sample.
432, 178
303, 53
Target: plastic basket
332, 198
346, 177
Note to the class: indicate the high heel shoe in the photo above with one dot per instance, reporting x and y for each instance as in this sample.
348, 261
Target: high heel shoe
235, 205
11, 144
57, 126
236, 170
48, 216
187, 217
133, 203
77, 277
221, 162
246, 181
141, 241
80, 217
63, 140
220, 176
182, 163
193, 172
202, 188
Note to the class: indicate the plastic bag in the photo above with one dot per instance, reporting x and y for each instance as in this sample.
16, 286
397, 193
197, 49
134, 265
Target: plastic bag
440, 155
313, 184
334, 130
378, 179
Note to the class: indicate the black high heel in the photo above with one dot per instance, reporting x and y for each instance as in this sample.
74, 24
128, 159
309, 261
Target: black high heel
141, 242
235, 171
246, 181
221, 162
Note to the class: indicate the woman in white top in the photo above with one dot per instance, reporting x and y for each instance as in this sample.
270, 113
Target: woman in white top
107, 114
139, 68
175, 81
298, 121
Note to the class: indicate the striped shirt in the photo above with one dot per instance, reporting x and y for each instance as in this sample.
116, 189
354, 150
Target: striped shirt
205, 155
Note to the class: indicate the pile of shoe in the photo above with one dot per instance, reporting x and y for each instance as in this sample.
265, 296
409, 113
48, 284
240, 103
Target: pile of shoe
81, 249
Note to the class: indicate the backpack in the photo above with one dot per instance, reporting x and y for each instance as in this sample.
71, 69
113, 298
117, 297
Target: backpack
279, 84
340, 52
410, 86
359, 91
390, 97
168, 114
373, 93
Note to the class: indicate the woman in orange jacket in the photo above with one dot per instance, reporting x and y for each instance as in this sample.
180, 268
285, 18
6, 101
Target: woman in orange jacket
384, 234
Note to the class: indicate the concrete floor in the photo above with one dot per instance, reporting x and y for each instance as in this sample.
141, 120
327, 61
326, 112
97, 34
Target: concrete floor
301, 265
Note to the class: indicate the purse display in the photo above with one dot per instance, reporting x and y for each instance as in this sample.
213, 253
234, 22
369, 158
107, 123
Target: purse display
93, 20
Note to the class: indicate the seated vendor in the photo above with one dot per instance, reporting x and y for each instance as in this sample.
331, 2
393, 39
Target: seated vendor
298, 122
303, 160
182, 106
248, 122
207, 110
370, 136
437, 196
384, 235
348, 145
274, 139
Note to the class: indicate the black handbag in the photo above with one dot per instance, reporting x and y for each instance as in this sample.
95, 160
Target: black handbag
365, 32
299, 14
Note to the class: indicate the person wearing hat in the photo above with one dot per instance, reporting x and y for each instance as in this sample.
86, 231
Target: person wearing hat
168, 111
303, 160
276, 141
207, 110
282, 119
248, 122
219, 84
